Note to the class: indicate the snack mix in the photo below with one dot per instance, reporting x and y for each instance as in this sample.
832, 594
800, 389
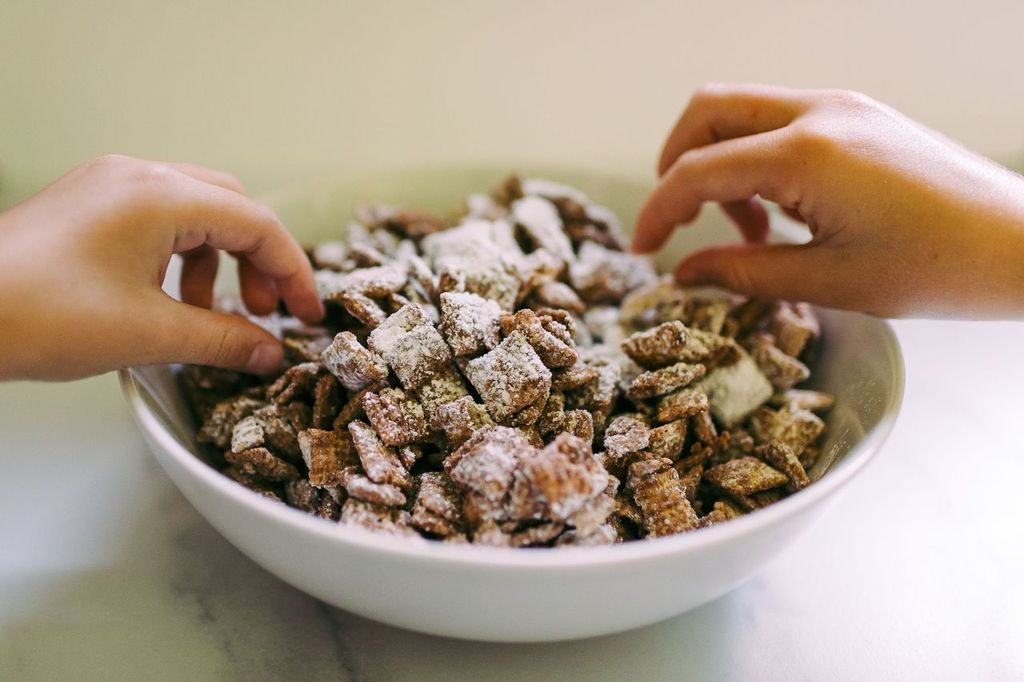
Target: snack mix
515, 378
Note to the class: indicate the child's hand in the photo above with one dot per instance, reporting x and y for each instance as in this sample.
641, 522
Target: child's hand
904, 221
82, 262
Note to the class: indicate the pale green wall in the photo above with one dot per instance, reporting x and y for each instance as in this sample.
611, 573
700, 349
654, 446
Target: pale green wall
280, 90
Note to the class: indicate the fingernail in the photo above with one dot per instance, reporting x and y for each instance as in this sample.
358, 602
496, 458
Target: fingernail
264, 358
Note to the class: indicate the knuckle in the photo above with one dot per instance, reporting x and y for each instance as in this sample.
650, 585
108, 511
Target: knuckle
738, 276
850, 100
107, 163
227, 348
814, 141
708, 91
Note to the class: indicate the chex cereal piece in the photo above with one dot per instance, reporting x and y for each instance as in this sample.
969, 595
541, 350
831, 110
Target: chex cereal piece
601, 275
736, 390
304, 348
698, 453
363, 308
759, 500
599, 397
704, 429
271, 426
219, 425
809, 456
666, 441
380, 462
659, 301
605, 324
682, 403
533, 270
330, 255
657, 382
353, 365
297, 382
579, 423
781, 457
708, 314
267, 490
327, 401
362, 488
722, 511
603, 535
795, 428
247, 434
301, 495
536, 535
299, 416
783, 371
689, 480
397, 418
438, 506
553, 351
744, 476
626, 507
488, 277
409, 455
567, 378
443, 387
624, 435
204, 387
490, 534
732, 444
655, 487
414, 223
483, 467
411, 346
529, 415
374, 282
459, 419
510, 377
556, 294
350, 411
531, 435
557, 481
469, 323
663, 345
329, 456
804, 399
377, 518
749, 315
540, 221
261, 463
794, 326
595, 512
553, 414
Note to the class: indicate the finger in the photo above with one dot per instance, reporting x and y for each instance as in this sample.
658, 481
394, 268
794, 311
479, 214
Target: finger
788, 271
208, 175
211, 215
750, 217
177, 332
727, 171
198, 272
724, 111
258, 291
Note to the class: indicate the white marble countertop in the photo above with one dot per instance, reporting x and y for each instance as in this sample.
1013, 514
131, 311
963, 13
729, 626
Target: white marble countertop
106, 572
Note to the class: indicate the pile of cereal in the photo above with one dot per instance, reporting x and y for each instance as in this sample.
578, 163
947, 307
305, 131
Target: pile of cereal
515, 378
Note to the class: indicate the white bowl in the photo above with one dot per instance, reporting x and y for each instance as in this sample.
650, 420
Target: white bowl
522, 595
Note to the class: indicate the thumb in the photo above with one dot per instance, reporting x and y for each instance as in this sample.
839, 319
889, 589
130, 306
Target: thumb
194, 335
767, 271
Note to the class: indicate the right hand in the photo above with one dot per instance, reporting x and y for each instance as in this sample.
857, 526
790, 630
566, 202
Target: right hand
904, 222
